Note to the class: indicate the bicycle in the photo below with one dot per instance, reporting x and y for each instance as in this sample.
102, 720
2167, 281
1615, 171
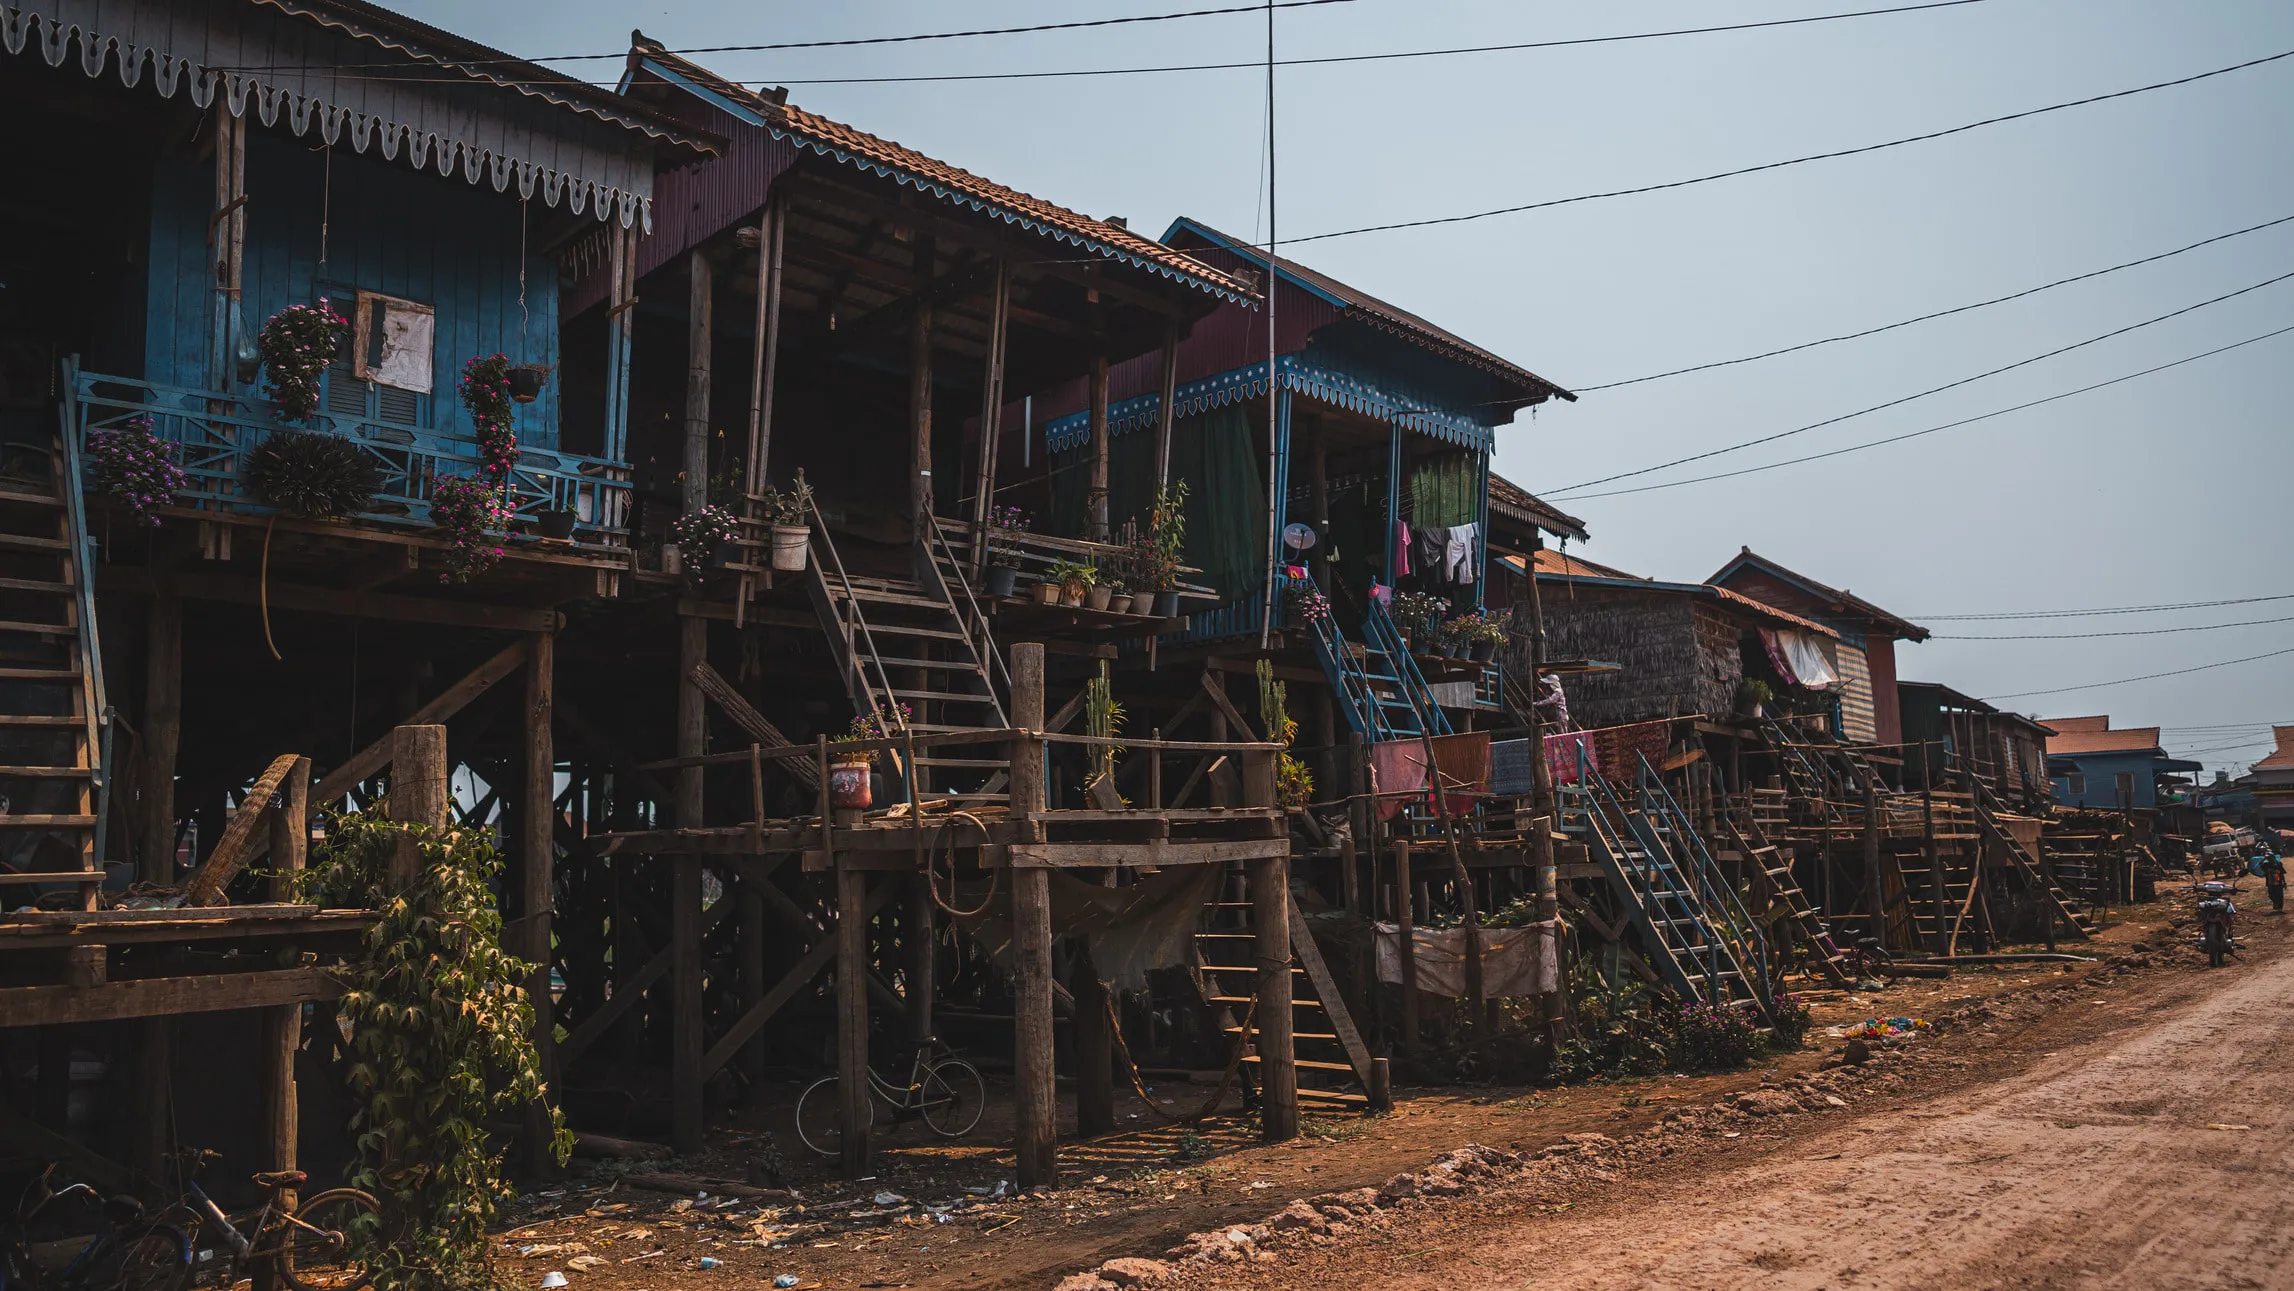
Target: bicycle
124, 1254
943, 1090
312, 1247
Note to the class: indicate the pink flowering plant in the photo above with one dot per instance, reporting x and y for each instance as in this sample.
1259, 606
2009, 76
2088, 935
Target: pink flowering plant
297, 344
698, 533
1307, 601
136, 469
878, 724
471, 512
486, 394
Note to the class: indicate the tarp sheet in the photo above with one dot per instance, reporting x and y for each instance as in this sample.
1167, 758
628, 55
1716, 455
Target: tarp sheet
1130, 930
1515, 961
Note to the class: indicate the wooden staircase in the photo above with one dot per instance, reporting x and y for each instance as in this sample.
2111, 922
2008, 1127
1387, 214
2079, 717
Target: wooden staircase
1788, 902
917, 652
1939, 916
55, 725
1333, 1063
2029, 866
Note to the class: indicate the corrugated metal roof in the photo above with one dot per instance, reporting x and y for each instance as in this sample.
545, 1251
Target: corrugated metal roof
2139, 739
1369, 309
2066, 725
860, 148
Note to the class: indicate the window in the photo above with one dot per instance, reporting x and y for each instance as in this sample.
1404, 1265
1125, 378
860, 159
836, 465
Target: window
2076, 784
384, 371
2126, 787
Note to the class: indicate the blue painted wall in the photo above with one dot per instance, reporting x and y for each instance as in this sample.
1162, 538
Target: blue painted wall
444, 242
2101, 771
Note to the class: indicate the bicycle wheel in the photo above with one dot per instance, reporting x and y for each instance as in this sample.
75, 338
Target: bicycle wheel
157, 1258
320, 1246
820, 1116
954, 1097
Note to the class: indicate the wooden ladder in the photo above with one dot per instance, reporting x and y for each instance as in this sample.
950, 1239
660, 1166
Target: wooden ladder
1785, 893
55, 740
1333, 1063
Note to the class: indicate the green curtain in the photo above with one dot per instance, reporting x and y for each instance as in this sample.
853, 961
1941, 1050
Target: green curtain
1446, 490
1216, 454
1130, 484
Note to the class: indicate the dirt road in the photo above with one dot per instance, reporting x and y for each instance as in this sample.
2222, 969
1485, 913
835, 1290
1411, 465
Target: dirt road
2154, 1154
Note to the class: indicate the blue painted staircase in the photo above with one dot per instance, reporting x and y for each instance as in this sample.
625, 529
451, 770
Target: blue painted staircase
1379, 689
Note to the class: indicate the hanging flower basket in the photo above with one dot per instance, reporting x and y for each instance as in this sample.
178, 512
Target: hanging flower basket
297, 344
486, 394
527, 380
136, 469
471, 513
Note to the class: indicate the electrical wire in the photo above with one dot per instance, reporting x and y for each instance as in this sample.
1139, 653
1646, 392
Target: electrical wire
1898, 402
1941, 313
1949, 425
2148, 676
2113, 609
1794, 161
2135, 632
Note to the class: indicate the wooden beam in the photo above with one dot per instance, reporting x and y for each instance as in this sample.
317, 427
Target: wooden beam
1036, 1110
851, 946
796, 979
231, 851
626, 994
162, 734
147, 997
713, 685
330, 600
920, 395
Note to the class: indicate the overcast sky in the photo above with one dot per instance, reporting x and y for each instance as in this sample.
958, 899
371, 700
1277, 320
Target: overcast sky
2169, 488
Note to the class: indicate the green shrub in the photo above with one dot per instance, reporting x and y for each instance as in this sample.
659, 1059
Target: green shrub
1707, 1037
314, 476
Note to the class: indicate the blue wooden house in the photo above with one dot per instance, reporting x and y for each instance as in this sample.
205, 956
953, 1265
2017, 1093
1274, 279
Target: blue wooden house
1381, 427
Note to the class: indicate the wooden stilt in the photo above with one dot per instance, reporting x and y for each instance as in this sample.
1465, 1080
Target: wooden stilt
1270, 924
918, 931
537, 820
685, 1047
154, 1068
754, 983
1875, 896
700, 339
418, 793
852, 1015
1035, 1124
920, 388
1405, 922
162, 734
1094, 1051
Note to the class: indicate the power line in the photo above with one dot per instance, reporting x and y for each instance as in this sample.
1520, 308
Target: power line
1941, 313
2135, 632
2148, 676
2114, 609
1892, 403
1794, 161
1949, 425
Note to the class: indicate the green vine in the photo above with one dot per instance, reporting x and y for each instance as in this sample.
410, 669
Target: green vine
441, 1035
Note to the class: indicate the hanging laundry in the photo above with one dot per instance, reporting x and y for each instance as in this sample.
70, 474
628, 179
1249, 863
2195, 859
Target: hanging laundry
1774, 649
1433, 556
1396, 767
1401, 548
1458, 562
1809, 664
1463, 760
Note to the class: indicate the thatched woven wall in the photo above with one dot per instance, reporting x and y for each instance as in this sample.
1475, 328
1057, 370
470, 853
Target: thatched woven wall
1653, 634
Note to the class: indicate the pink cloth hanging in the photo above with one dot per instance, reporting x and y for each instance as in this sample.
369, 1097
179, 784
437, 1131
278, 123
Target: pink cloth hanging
1396, 767
1401, 548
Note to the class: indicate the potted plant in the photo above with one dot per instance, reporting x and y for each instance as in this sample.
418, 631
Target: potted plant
1073, 580
486, 396
1006, 527
789, 513
1167, 544
707, 536
1484, 636
471, 512
848, 769
1413, 613
555, 522
297, 344
135, 468
527, 380
1752, 695
1100, 593
312, 476
1306, 601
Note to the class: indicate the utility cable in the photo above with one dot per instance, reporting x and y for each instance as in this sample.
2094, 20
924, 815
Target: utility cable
1922, 394
2114, 609
2133, 632
1795, 161
2148, 676
1941, 313
1949, 425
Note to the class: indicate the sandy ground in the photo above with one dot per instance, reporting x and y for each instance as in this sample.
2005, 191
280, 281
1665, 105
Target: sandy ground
2148, 1149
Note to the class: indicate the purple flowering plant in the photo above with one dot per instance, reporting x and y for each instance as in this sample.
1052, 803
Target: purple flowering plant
297, 344
136, 469
472, 513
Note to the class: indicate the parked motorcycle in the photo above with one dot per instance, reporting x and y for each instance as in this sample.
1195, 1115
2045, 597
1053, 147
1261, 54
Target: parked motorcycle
2214, 914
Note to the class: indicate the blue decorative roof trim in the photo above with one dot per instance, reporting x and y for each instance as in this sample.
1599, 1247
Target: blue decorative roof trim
1025, 222
1299, 377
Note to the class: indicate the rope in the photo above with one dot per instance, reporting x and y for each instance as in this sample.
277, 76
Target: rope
932, 873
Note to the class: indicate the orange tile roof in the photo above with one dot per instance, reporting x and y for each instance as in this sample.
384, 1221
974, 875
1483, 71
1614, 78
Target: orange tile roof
1555, 564
1025, 209
2066, 725
2283, 758
2138, 739
1550, 561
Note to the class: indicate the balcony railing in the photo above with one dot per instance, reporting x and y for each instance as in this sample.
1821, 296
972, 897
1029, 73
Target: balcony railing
213, 434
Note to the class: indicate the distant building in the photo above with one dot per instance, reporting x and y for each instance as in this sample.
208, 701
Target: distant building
2093, 765
1867, 640
2272, 782
1946, 729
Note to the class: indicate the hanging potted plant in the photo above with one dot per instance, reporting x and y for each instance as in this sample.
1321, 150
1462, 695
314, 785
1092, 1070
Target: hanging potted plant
473, 516
1167, 541
848, 768
135, 469
486, 395
789, 514
311, 476
527, 380
1006, 527
297, 344
708, 536
556, 523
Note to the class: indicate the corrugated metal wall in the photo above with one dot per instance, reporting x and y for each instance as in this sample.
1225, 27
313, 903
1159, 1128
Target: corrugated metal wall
1855, 695
442, 242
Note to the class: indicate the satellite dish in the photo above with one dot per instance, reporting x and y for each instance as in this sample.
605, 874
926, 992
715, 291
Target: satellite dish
1298, 537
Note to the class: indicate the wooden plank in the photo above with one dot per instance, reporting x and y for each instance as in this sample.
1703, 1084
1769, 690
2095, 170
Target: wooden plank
625, 995
1309, 957
745, 716
145, 997
1153, 851
367, 762
231, 851
114, 579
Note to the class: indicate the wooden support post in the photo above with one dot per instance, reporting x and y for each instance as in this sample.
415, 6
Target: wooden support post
1381, 1085
2047, 906
154, 1081
991, 416
1405, 923
1875, 896
1270, 922
290, 822
1095, 492
162, 734
418, 793
917, 930
764, 360
1094, 1051
1035, 1111
282, 1037
920, 389
537, 856
754, 983
852, 1016
700, 338
686, 1047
